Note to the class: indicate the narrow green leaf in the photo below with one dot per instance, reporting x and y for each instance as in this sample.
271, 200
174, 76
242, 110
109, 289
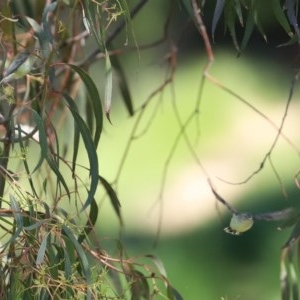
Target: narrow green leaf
95, 99
238, 9
294, 282
159, 264
35, 225
42, 37
129, 23
92, 20
90, 148
42, 249
76, 141
230, 17
19, 221
86, 22
92, 218
3, 58
18, 216
173, 294
217, 14
47, 210
108, 86
113, 198
292, 41
53, 260
67, 264
248, 30
188, 6
115, 279
49, 8
123, 84
292, 15
25, 162
82, 259
280, 16
139, 286
285, 289
294, 235
259, 25
45, 152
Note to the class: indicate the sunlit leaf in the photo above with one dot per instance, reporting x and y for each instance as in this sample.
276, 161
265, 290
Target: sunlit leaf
108, 86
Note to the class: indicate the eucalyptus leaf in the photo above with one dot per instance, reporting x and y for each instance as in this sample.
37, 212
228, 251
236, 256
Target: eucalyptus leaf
90, 149
217, 14
95, 99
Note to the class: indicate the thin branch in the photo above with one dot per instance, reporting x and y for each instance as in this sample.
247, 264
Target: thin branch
116, 31
279, 133
202, 29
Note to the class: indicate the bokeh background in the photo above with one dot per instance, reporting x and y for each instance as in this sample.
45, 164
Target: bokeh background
202, 261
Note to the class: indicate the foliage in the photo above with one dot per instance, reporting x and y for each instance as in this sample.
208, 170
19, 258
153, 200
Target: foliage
49, 207
49, 111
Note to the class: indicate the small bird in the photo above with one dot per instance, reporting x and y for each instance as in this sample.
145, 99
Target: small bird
243, 221
239, 223
21, 65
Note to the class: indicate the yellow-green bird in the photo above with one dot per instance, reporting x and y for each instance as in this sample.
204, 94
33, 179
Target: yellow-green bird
22, 64
241, 222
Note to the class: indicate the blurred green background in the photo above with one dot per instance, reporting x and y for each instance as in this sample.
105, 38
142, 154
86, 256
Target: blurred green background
202, 261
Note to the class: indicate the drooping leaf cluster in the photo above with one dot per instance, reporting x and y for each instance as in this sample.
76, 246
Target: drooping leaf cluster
50, 181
